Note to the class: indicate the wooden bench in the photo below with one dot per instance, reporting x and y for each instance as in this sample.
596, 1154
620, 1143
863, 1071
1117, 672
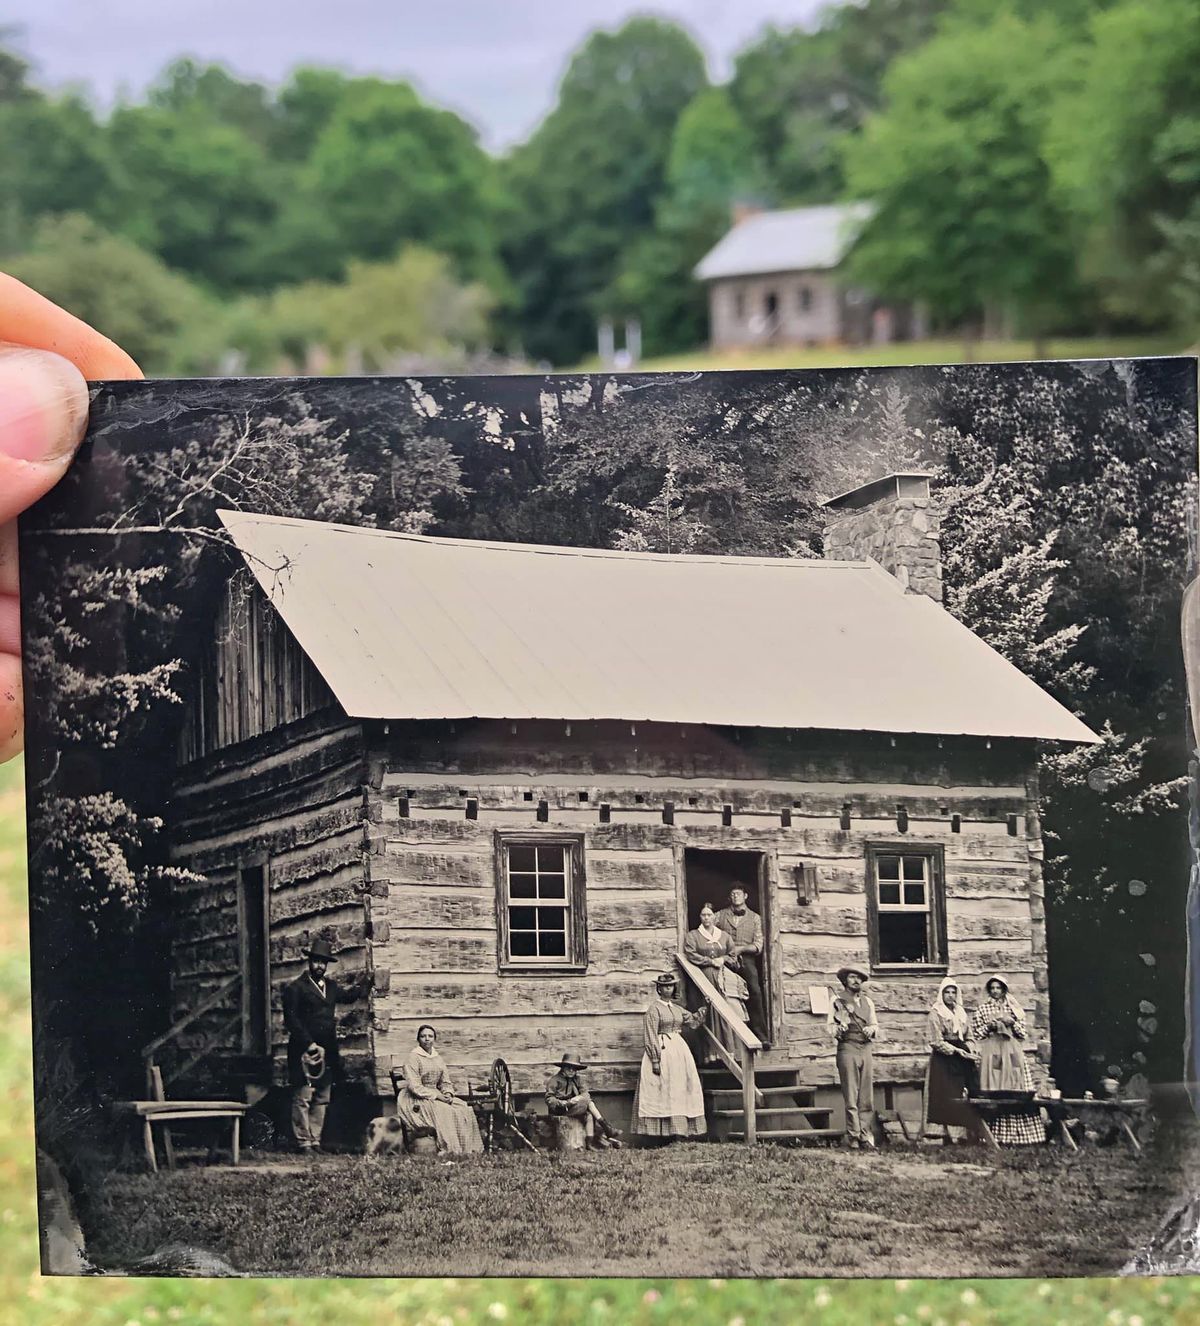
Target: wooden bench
165, 1112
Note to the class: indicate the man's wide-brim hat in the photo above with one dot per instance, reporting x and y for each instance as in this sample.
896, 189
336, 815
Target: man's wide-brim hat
571, 1061
843, 972
321, 948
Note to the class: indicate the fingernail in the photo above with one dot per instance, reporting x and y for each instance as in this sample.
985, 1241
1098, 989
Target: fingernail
43, 405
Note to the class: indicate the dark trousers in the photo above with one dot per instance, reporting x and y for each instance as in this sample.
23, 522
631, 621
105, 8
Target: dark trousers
749, 971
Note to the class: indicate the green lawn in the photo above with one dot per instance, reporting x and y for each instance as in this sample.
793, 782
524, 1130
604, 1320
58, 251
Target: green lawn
28, 1299
915, 352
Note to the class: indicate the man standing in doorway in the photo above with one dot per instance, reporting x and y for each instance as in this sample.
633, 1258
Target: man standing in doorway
309, 1004
745, 931
854, 1025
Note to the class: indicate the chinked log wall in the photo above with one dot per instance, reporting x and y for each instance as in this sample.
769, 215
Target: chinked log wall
294, 799
432, 875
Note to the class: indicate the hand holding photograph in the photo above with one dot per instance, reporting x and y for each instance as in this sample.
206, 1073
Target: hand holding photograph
682, 824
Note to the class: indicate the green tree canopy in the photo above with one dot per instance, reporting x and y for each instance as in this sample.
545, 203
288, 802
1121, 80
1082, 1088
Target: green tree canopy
1124, 147
712, 163
954, 164
585, 186
163, 320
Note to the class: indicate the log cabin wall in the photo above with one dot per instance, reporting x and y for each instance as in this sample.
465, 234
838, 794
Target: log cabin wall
433, 878
288, 804
252, 678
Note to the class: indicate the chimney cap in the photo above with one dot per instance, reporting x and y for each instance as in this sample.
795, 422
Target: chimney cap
904, 483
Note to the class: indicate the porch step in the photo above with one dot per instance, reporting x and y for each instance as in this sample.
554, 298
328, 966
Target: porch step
781, 1113
791, 1135
771, 1093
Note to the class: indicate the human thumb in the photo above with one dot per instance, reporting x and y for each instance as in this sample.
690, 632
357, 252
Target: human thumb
43, 414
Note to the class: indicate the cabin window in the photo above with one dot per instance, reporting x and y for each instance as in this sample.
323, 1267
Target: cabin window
804, 298
739, 304
540, 901
907, 905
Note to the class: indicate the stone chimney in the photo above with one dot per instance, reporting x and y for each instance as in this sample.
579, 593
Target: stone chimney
894, 522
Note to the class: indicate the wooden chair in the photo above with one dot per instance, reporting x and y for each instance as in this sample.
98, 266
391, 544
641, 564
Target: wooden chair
158, 1110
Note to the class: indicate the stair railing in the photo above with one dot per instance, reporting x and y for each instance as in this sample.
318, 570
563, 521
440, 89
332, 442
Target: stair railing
155, 1079
748, 1045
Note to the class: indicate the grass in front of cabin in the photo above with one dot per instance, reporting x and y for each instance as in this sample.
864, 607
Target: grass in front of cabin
689, 1209
900, 353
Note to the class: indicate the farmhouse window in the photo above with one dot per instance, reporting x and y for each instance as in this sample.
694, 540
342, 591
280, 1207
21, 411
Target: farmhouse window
804, 298
541, 901
907, 905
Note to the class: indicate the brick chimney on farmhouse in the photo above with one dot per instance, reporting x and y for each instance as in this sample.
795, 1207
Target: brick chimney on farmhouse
894, 522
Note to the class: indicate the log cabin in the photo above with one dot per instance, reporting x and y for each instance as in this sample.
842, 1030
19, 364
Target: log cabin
503, 779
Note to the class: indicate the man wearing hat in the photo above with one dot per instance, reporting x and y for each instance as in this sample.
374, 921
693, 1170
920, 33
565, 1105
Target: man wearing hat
309, 1004
745, 930
854, 1025
566, 1094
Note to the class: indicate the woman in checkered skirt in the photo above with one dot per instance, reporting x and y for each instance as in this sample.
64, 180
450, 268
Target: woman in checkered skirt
998, 1029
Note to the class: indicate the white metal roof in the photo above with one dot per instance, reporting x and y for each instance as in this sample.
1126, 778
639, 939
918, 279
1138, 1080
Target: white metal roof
402, 626
800, 239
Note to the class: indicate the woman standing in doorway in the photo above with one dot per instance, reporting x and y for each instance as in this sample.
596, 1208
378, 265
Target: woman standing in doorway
668, 1102
708, 947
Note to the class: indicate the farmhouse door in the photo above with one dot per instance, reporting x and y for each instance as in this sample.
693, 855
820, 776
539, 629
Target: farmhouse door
254, 958
707, 878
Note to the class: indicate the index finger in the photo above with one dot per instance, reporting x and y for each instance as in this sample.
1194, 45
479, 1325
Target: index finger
30, 319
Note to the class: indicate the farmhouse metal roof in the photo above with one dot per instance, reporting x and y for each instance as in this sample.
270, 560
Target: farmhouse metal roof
800, 239
402, 626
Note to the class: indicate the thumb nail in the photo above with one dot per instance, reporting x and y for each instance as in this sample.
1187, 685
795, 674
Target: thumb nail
43, 405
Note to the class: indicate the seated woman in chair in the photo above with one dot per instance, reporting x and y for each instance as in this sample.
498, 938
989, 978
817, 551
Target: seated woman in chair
427, 1099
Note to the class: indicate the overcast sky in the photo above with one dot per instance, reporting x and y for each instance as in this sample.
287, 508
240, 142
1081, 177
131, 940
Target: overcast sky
497, 62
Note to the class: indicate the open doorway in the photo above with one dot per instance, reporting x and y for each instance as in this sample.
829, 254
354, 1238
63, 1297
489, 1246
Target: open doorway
708, 876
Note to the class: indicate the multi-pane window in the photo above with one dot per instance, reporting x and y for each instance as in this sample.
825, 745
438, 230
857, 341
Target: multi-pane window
908, 907
541, 900
804, 298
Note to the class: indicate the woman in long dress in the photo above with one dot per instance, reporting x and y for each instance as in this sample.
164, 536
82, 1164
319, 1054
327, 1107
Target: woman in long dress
428, 1100
999, 1030
668, 1102
951, 1076
708, 947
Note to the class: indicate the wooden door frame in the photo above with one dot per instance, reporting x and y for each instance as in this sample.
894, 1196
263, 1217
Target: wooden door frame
257, 861
770, 965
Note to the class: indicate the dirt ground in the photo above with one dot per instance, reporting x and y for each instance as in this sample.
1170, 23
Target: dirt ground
688, 1210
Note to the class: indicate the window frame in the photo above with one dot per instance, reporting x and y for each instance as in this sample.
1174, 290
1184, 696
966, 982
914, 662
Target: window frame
935, 855
576, 957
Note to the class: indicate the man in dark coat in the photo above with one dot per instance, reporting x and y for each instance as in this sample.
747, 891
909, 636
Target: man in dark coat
745, 929
309, 1004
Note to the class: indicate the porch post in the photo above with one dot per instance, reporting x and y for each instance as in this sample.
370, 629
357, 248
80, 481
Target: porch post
751, 1118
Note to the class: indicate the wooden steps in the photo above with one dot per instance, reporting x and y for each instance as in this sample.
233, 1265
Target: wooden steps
789, 1112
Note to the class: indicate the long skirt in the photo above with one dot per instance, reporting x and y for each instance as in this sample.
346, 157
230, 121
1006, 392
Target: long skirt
1003, 1067
454, 1124
733, 988
948, 1083
669, 1103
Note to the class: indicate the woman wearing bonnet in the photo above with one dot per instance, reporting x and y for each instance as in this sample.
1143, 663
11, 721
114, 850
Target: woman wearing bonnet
999, 1030
952, 1076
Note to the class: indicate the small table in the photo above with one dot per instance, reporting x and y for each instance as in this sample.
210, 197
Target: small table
1061, 1110
170, 1111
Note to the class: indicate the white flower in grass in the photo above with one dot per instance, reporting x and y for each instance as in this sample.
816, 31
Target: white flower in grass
737, 1321
497, 1311
969, 1297
651, 1296
902, 1285
717, 1284
1044, 1290
1135, 1320
1116, 1316
901, 1319
822, 1298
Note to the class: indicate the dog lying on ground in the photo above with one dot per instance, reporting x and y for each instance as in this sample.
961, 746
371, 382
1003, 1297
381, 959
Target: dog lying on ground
385, 1137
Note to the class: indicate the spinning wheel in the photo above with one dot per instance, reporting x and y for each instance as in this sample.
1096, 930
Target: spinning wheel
493, 1103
